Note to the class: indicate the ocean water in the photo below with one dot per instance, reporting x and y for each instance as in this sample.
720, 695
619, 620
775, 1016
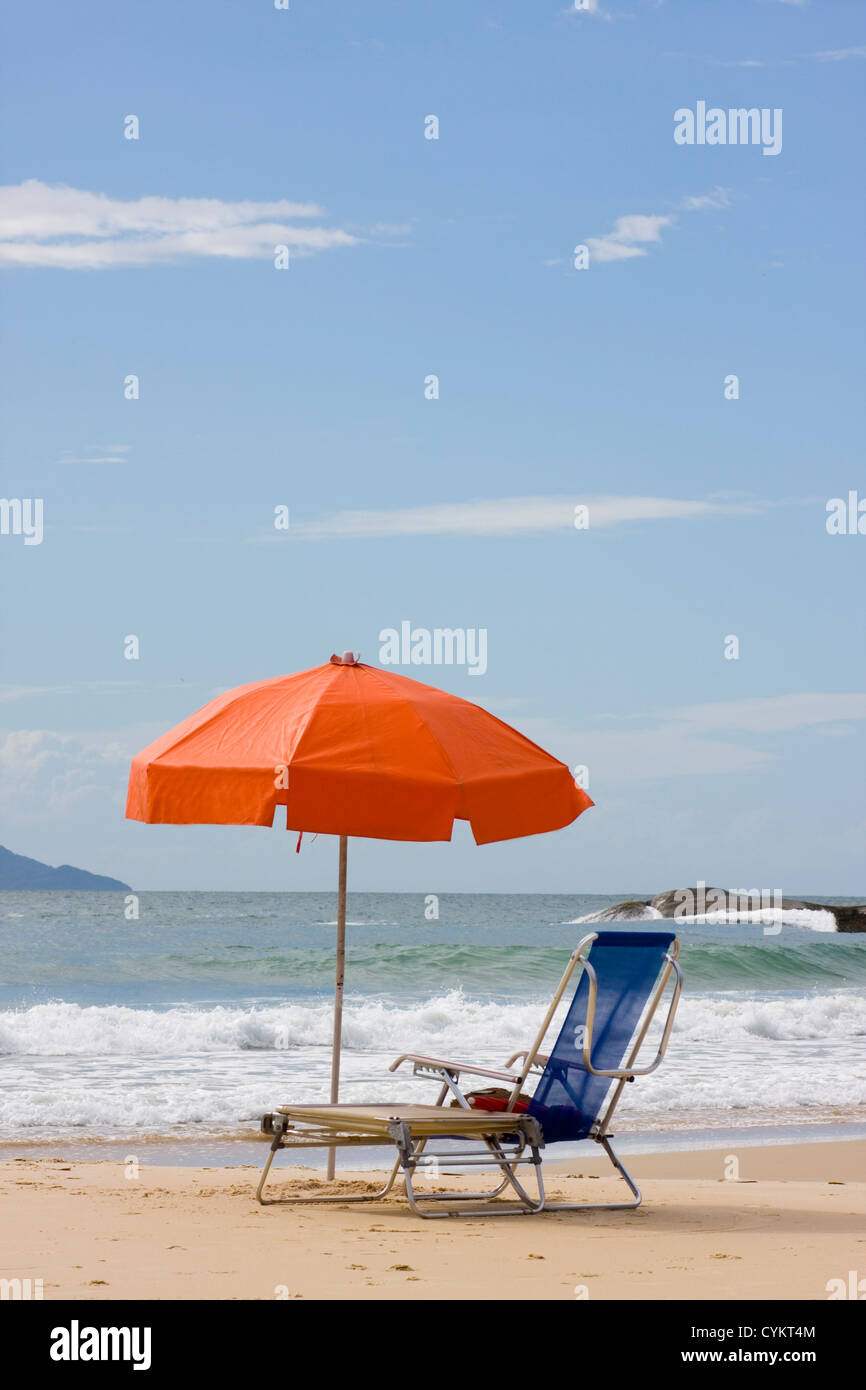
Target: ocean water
188, 1023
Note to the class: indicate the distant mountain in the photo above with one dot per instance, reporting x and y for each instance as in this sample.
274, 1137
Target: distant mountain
19, 872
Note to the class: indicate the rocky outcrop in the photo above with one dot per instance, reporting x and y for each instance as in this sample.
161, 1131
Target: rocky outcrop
848, 918
703, 898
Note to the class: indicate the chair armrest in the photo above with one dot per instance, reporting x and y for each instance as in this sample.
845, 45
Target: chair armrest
539, 1060
438, 1064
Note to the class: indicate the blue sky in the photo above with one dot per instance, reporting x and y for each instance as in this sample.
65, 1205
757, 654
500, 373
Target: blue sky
305, 387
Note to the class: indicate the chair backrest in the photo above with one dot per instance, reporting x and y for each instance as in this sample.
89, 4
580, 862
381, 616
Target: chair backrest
568, 1098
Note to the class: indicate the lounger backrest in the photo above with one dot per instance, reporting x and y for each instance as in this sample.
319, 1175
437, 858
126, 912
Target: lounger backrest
568, 1098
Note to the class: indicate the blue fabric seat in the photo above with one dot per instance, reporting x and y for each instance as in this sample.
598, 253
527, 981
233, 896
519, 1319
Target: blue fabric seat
568, 1098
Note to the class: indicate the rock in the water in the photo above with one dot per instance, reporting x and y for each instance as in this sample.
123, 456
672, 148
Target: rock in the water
847, 918
690, 902
687, 900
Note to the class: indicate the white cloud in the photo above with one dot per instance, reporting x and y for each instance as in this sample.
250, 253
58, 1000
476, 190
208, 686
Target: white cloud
634, 232
775, 713
838, 55
827, 55
718, 197
637, 755
45, 771
97, 453
609, 248
71, 228
588, 7
509, 516
10, 693
680, 742
628, 237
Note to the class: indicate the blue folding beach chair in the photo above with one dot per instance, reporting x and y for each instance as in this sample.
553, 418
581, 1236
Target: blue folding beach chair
623, 979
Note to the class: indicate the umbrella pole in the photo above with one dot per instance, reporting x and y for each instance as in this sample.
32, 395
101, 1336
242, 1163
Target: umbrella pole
338, 989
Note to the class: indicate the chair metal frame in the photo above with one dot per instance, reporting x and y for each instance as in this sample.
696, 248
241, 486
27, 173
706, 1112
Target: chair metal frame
505, 1151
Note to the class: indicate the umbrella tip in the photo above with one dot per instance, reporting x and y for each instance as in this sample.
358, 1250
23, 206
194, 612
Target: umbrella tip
347, 659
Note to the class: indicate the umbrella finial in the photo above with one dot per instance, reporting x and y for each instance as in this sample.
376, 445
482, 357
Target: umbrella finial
347, 659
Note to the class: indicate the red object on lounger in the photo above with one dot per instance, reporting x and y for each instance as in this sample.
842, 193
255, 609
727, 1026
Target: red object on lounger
520, 1107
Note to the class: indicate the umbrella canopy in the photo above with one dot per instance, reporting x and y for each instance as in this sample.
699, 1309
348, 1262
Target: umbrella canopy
349, 749
352, 750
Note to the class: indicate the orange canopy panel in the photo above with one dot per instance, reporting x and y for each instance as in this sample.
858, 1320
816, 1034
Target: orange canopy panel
352, 750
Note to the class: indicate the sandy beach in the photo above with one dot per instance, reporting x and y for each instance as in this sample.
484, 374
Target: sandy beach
791, 1221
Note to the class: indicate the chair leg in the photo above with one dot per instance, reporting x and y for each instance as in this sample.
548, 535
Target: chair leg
267, 1168
511, 1177
604, 1140
507, 1165
327, 1197
420, 1146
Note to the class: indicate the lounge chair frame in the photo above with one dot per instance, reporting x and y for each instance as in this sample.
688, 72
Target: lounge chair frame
506, 1139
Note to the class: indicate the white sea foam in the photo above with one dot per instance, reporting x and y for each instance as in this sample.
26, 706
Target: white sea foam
823, 921
61, 1029
463, 1027
111, 1070
730, 1018
758, 1078
812, 920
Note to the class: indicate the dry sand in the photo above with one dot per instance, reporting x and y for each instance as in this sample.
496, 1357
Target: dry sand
792, 1221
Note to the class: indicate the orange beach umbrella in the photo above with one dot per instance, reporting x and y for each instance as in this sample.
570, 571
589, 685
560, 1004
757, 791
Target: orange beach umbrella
350, 749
